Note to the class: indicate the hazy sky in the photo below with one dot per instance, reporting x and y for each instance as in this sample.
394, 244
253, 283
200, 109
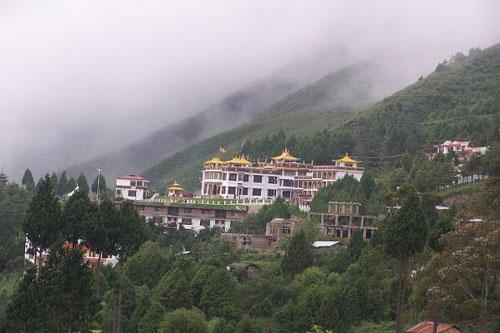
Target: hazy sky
78, 78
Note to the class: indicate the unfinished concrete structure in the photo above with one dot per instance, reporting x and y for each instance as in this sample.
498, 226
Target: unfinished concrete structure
278, 228
343, 219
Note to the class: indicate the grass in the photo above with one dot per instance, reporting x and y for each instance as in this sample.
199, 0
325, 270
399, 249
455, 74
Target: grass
267, 261
458, 189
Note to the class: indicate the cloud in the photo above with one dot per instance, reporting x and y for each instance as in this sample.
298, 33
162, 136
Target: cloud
78, 78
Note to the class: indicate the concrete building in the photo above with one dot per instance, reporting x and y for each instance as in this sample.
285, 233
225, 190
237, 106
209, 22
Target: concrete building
197, 213
131, 187
284, 176
343, 219
462, 150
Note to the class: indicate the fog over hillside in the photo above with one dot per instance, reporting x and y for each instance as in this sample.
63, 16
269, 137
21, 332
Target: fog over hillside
83, 78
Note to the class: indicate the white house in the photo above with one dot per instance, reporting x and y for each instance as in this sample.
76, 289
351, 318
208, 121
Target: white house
284, 176
132, 187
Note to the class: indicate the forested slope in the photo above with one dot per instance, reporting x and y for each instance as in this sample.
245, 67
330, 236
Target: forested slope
320, 105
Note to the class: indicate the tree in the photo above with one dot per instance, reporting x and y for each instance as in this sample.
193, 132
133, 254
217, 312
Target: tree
101, 181
405, 234
82, 183
248, 325
184, 321
22, 314
129, 231
491, 162
464, 274
126, 235
218, 298
150, 322
174, 290
148, 265
368, 184
199, 280
70, 185
298, 255
62, 184
58, 299
27, 181
54, 181
80, 215
43, 223
3, 177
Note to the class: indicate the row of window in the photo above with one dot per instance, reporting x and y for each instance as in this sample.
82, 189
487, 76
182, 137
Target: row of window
246, 191
139, 183
246, 178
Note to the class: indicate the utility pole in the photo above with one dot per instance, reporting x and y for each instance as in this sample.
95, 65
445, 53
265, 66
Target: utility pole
98, 183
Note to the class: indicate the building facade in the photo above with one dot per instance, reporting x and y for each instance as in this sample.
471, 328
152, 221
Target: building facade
462, 149
343, 219
197, 214
131, 187
284, 176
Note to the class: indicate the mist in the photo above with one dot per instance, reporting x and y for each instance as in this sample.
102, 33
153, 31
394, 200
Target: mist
80, 78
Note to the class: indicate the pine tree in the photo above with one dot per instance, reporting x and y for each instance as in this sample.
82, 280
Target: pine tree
43, 223
27, 181
405, 235
54, 181
174, 291
62, 184
82, 183
3, 177
218, 298
298, 255
102, 186
71, 185
80, 216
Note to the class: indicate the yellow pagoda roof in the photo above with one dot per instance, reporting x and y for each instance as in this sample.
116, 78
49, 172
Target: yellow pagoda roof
238, 160
285, 156
346, 159
214, 160
175, 187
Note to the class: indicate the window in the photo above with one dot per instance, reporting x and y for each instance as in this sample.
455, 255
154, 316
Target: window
223, 191
257, 179
224, 176
132, 183
118, 192
231, 190
132, 193
245, 178
256, 191
232, 176
139, 183
205, 211
187, 210
245, 190
273, 180
288, 182
286, 230
271, 193
220, 214
205, 223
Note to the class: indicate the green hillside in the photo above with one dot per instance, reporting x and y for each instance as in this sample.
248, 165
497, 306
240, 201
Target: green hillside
318, 106
460, 100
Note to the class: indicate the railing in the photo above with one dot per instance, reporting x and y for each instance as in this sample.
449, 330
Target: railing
215, 202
